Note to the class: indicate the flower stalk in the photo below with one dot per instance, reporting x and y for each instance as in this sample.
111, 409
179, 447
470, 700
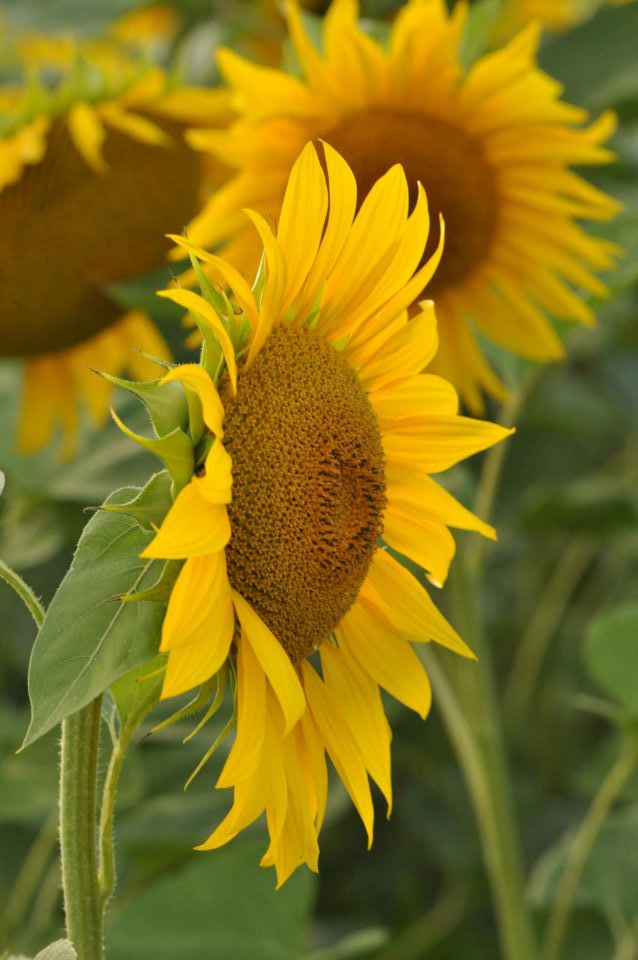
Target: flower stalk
471, 712
106, 874
78, 831
469, 709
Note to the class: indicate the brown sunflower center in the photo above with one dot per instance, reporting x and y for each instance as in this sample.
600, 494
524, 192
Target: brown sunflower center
68, 232
308, 488
451, 166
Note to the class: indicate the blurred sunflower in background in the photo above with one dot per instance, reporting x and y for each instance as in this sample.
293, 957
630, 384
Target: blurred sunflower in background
556, 15
94, 169
313, 440
492, 146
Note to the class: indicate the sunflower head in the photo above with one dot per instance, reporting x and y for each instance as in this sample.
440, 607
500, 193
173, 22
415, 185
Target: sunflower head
311, 433
492, 145
555, 15
94, 169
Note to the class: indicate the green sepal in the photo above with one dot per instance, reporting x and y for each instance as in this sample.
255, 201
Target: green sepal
311, 320
260, 281
164, 402
160, 591
87, 642
217, 300
198, 702
164, 364
212, 358
341, 343
150, 505
175, 450
196, 425
140, 686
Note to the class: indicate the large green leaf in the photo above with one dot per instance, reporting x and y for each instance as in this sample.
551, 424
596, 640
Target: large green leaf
60, 950
89, 638
610, 878
223, 905
597, 61
29, 782
612, 654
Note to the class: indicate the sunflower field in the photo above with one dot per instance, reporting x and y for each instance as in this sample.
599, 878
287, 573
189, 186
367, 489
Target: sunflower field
319, 480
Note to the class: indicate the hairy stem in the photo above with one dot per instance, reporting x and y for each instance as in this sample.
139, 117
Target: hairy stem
78, 835
582, 845
465, 695
467, 699
106, 869
25, 593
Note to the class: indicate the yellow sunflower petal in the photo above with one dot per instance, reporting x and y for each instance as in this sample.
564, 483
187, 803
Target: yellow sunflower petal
407, 353
340, 744
302, 219
225, 274
216, 484
274, 662
134, 125
199, 624
316, 767
361, 704
194, 376
403, 600
193, 527
87, 132
248, 804
199, 606
385, 656
411, 487
343, 202
25, 148
193, 302
437, 443
416, 396
245, 754
426, 542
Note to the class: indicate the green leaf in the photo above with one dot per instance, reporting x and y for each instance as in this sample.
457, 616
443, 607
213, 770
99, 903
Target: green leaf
612, 654
165, 403
482, 18
364, 943
610, 878
606, 44
224, 902
29, 781
60, 950
150, 505
139, 687
89, 639
175, 450
602, 505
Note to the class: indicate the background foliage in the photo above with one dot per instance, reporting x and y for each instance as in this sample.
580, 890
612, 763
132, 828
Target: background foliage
560, 617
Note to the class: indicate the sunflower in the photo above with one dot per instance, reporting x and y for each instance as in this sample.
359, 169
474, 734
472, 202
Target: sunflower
94, 168
310, 476
556, 15
492, 145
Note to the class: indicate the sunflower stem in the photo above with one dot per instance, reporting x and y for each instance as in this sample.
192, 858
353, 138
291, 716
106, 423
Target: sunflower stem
494, 805
582, 845
25, 593
544, 620
78, 835
467, 699
106, 842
